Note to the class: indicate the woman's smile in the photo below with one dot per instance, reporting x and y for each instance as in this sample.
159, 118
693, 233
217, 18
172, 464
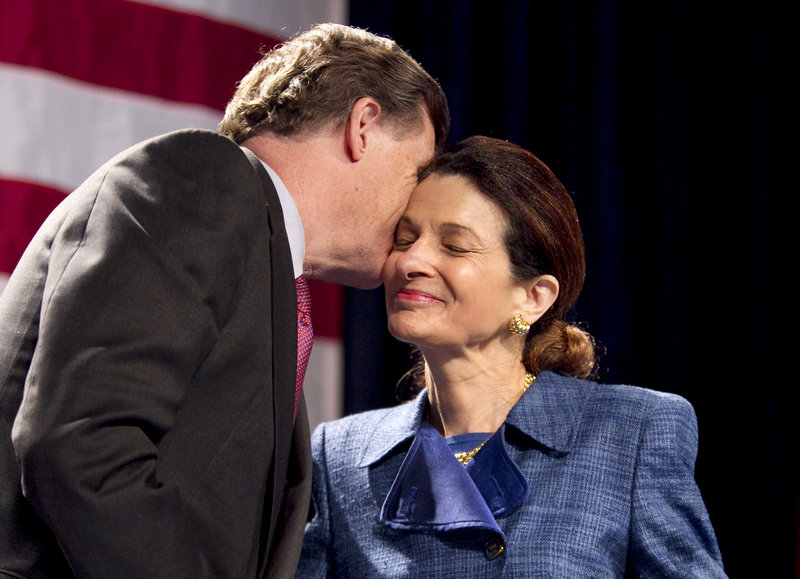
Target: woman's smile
411, 295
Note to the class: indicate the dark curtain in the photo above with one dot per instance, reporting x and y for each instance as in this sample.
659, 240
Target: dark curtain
673, 125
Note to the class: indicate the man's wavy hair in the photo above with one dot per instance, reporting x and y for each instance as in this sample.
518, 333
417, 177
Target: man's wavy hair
312, 81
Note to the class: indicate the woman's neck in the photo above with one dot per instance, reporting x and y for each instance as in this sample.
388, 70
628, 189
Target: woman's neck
471, 394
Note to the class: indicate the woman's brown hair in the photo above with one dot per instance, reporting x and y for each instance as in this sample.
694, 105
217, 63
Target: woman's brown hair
543, 237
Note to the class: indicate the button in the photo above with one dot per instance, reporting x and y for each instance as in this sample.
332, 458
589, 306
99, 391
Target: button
494, 547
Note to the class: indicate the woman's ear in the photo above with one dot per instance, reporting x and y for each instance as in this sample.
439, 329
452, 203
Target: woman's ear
362, 121
541, 294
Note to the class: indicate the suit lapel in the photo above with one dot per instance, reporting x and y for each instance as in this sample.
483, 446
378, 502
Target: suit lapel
284, 351
550, 411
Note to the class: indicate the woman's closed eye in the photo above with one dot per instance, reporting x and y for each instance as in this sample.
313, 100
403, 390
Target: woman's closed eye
452, 248
403, 242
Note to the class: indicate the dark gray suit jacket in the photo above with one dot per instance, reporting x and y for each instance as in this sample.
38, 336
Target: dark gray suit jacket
147, 374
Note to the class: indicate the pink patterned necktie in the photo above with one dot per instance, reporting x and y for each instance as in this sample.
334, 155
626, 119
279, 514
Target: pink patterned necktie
305, 335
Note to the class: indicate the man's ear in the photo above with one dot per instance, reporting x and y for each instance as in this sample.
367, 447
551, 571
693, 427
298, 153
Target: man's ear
364, 118
541, 294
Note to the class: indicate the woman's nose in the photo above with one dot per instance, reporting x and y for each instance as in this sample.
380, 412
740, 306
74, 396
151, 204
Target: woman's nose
416, 260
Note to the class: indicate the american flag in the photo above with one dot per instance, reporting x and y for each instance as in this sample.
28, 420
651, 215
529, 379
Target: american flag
81, 80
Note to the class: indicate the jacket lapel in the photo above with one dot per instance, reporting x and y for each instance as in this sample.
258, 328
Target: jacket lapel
432, 492
550, 412
284, 350
400, 425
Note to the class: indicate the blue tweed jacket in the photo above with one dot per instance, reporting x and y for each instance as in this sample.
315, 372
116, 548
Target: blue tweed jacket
585, 480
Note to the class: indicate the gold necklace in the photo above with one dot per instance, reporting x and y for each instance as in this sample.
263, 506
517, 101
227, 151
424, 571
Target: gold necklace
468, 455
529, 378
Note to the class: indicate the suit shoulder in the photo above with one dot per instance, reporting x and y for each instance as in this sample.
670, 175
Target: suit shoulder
190, 139
618, 400
570, 388
661, 414
642, 397
645, 395
196, 151
355, 425
201, 171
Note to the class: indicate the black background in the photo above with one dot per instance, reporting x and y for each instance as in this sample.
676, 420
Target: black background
673, 126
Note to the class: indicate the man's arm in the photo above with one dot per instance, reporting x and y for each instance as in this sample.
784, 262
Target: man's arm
140, 285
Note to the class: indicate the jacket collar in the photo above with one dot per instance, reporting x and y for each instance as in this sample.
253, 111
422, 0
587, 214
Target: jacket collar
433, 492
398, 425
548, 414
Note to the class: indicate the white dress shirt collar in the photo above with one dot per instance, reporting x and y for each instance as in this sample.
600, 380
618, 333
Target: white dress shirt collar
291, 218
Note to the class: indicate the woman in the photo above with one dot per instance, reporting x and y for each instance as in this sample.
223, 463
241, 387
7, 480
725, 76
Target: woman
509, 462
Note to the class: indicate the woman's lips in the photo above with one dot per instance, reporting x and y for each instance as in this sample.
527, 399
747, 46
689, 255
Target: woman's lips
415, 296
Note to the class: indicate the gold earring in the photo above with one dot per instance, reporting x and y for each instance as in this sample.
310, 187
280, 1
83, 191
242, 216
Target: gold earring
518, 326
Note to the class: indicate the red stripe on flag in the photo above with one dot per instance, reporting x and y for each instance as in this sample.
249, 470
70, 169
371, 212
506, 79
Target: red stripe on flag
23, 208
135, 47
327, 315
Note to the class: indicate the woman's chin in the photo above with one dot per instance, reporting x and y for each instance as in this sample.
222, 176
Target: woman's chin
406, 330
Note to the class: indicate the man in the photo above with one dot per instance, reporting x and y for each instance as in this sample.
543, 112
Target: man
150, 423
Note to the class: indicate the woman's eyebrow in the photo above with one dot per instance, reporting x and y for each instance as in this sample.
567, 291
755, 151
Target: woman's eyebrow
450, 227
446, 227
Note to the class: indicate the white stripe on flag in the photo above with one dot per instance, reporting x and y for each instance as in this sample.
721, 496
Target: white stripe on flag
323, 385
47, 117
58, 130
282, 18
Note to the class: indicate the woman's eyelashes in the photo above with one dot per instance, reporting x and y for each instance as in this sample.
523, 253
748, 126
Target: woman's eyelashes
452, 248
